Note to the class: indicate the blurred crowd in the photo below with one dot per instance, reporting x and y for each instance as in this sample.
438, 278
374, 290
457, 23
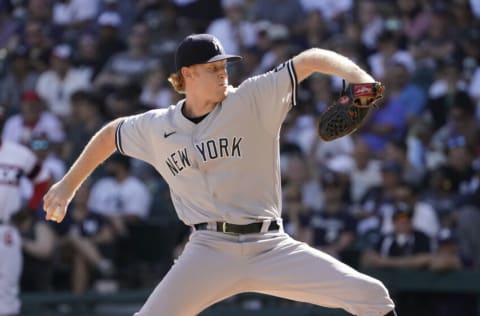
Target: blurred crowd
403, 191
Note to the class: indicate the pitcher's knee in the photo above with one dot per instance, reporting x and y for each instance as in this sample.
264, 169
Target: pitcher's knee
377, 292
378, 288
371, 298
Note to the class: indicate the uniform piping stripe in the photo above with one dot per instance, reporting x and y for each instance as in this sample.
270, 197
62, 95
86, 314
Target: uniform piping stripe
118, 138
293, 80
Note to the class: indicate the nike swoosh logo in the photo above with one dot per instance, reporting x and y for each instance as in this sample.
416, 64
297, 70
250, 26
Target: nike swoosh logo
168, 134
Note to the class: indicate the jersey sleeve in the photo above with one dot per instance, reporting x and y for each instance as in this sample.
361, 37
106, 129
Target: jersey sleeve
133, 136
272, 94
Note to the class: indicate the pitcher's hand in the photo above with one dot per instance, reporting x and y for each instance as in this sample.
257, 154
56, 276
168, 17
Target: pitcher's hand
56, 202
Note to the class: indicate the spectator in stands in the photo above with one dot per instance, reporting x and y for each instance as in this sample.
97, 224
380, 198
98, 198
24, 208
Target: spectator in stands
301, 129
167, 26
284, 12
9, 26
199, 13
120, 197
155, 92
405, 247
293, 211
249, 66
422, 152
366, 171
461, 155
320, 92
378, 203
467, 217
87, 55
122, 103
460, 122
279, 47
463, 17
331, 229
316, 31
108, 36
397, 150
389, 52
404, 91
448, 257
73, 17
39, 42
37, 10
334, 11
370, 23
18, 79
424, 219
92, 238
474, 90
42, 148
87, 110
297, 171
288, 148
441, 193
330, 154
445, 92
33, 121
409, 248
232, 30
127, 68
38, 247
439, 42
57, 84
415, 19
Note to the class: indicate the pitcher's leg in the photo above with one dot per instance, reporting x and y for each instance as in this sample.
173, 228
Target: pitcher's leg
200, 277
298, 272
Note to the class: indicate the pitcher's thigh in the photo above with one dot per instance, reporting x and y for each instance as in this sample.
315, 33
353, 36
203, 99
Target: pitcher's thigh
299, 272
199, 278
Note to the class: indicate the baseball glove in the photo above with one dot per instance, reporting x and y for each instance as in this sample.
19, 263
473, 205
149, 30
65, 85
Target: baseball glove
347, 113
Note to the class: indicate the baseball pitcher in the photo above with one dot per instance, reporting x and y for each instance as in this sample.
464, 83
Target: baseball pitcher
218, 149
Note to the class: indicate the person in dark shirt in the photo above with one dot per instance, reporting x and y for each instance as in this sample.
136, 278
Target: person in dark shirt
331, 229
404, 248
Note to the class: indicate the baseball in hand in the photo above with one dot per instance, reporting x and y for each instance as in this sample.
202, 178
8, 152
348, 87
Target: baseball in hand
57, 214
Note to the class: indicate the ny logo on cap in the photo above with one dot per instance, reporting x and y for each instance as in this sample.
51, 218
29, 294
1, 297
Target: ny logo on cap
216, 44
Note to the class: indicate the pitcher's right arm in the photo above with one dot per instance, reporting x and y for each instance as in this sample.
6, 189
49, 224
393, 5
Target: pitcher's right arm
98, 149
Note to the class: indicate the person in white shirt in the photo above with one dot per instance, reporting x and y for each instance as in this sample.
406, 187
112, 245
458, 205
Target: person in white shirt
75, 14
121, 197
232, 30
57, 84
32, 121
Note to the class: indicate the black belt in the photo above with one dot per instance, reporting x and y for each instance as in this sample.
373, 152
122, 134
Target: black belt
253, 228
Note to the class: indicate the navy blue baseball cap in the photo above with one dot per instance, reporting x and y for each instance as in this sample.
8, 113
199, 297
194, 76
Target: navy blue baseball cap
200, 49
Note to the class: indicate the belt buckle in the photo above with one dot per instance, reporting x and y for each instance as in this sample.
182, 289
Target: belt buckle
225, 231
224, 228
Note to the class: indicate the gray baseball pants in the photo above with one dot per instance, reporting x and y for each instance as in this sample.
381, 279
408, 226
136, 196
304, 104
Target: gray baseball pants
214, 266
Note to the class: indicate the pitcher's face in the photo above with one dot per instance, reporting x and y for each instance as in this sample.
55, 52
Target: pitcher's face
211, 79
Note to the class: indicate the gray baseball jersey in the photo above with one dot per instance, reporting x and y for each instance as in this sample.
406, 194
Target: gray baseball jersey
210, 166
226, 168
